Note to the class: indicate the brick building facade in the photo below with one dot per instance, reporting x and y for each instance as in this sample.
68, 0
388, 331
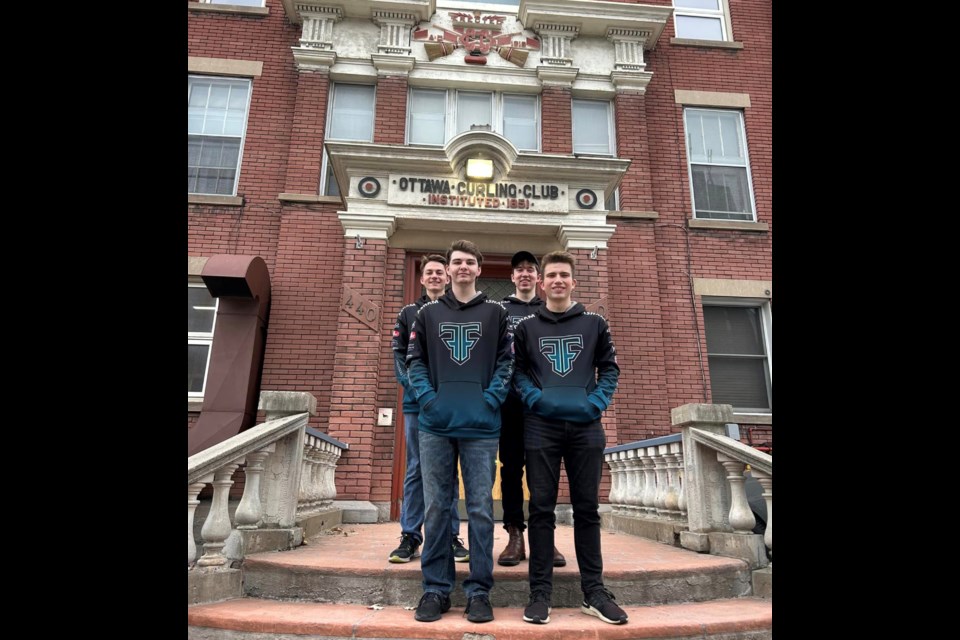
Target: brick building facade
658, 145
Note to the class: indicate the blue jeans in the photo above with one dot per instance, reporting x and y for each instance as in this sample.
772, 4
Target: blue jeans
580, 446
411, 511
438, 463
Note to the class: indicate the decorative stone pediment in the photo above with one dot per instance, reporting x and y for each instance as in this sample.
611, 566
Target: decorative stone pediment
594, 18
421, 9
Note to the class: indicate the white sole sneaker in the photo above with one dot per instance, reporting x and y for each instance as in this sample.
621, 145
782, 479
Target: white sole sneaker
590, 611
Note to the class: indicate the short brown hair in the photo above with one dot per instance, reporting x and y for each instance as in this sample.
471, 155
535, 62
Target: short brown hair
467, 247
559, 256
431, 257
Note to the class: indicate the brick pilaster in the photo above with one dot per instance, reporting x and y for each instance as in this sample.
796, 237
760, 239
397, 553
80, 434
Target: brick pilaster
556, 109
391, 110
307, 132
636, 192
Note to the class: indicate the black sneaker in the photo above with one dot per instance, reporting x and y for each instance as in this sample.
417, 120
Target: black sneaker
479, 609
538, 611
600, 603
432, 605
460, 553
408, 550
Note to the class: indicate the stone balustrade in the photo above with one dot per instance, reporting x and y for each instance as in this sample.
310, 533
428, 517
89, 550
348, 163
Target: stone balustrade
289, 475
689, 488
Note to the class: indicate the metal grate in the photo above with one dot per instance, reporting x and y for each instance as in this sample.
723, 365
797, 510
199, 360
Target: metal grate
495, 288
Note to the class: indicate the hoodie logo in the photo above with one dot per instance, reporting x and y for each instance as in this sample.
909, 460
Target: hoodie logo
460, 338
561, 351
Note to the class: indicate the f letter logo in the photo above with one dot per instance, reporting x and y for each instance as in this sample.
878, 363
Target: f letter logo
561, 351
460, 338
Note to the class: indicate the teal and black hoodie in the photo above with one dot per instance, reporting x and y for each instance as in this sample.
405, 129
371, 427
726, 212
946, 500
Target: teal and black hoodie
566, 364
401, 336
517, 309
459, 366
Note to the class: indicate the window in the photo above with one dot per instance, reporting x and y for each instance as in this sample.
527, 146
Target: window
434, 116
350, 117
701, 19
216, 122
593, 127
201, 316
739, 355
719, 166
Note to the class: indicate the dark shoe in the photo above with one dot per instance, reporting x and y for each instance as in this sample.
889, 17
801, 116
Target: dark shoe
479, 609
432, 606
515, 551
558, 559
600, 603
460, 553
408, 550
538, 611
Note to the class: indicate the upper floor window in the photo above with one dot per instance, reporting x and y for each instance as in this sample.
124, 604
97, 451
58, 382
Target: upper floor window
701, 19
739, 355
201, 316
436, 115
350, 117
216, 123
593, 127
719, 165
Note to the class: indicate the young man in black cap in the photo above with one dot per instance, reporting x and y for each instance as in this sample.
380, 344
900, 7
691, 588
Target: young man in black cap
525, 277
566, 373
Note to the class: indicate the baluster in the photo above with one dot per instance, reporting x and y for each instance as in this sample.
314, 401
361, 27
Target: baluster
741, 517
682, 500
613, 497
623, 495
660, 468
328, 470
632, 499
193, 490
671, 495
250, 510
217, 526
766, 481
650, 482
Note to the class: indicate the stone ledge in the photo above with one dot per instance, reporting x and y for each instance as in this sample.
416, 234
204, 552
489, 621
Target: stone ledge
748, 547
316, 523
228, 8
223, 201
634, 215
213, 585
715, 44
763, 582
663, 531
356, 511
307, 197
736, 225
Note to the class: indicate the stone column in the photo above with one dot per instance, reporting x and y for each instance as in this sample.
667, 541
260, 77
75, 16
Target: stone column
708, 495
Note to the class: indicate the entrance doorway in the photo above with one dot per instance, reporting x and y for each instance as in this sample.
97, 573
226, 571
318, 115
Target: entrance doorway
495, 281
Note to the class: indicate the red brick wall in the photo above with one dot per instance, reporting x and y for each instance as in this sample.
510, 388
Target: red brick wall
391, 115
309, 127
555, 114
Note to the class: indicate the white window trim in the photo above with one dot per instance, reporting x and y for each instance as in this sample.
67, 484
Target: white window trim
450, 115
246, 124
325, 163
202, 337
723, 13
766, 326
231, 2
611, 129
746, 156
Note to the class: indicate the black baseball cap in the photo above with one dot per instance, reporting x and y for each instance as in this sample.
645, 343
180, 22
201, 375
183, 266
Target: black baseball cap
520, 256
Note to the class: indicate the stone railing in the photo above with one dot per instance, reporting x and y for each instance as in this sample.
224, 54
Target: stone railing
689, 487
289, 476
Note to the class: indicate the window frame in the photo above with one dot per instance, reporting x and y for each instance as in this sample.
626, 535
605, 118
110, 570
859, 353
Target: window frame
742, 139
497, 111
202, 338
246, 123
722, 14
325, 168
611, 128
766, 336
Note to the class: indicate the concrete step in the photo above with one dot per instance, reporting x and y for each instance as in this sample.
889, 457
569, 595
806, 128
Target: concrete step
349, 566
258, 619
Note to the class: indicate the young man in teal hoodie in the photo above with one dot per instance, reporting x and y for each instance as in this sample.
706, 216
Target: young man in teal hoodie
459, 367
566, 373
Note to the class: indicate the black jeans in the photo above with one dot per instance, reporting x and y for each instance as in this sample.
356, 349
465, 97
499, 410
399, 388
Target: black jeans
581, 448
512, 461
